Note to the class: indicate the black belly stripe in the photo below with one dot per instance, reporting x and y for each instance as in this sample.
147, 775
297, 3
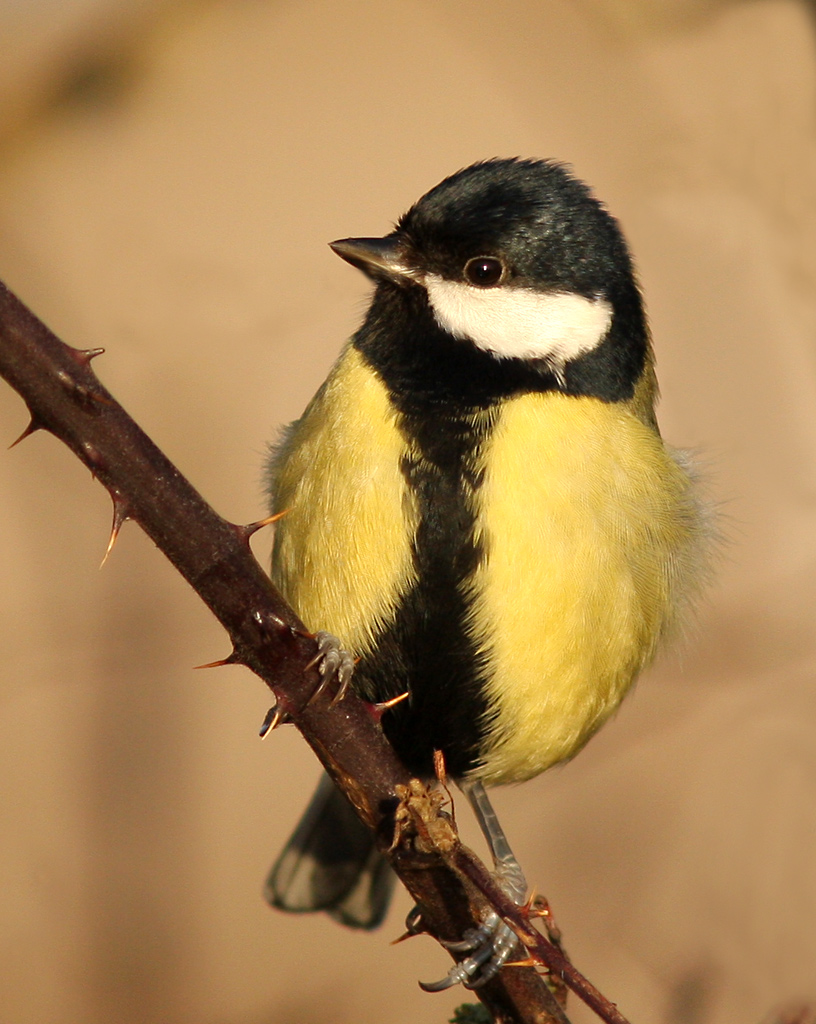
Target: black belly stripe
426, 649
447, 393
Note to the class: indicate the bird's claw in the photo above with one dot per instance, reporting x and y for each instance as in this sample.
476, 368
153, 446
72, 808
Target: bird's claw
491, 944
332, 660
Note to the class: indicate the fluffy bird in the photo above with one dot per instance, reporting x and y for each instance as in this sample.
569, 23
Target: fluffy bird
480, 508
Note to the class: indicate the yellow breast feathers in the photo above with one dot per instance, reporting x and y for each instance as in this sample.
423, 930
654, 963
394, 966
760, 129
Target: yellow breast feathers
343, 551
591, 531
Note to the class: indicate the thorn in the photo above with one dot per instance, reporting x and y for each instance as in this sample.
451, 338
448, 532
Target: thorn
96, 396
378, 710
439, 768
441, 773
33, 426
413, 926
531, 899
84, 355
231, 659
274, 718
538, 906
245, 532
386, 704
529, 962
121, 514
85, 396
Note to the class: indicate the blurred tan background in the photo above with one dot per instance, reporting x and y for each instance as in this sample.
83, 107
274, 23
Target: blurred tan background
170, 174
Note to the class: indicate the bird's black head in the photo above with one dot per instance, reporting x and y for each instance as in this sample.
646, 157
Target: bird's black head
544, 225
507, 276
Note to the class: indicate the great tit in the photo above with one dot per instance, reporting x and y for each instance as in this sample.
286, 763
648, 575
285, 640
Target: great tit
479, 505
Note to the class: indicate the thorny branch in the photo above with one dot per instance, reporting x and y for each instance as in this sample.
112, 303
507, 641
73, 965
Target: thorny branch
451, 886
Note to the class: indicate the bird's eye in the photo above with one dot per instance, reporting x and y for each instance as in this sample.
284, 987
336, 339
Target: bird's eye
484, 271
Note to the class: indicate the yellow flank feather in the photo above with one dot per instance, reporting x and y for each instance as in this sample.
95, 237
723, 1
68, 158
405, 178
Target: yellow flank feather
591, 531
343, 554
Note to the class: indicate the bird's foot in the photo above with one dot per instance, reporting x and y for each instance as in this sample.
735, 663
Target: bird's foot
489, 945
332, 660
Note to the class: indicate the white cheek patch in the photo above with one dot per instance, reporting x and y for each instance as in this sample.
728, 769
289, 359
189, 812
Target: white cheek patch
519, 323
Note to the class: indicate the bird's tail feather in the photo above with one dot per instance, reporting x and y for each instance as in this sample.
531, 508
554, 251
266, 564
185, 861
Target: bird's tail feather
331, 863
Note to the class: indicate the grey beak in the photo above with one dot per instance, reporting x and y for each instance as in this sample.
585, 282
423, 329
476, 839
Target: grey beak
374, 256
